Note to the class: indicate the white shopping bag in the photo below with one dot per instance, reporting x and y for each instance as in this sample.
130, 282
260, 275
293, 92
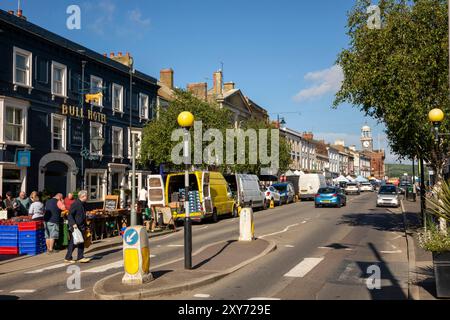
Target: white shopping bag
77, 237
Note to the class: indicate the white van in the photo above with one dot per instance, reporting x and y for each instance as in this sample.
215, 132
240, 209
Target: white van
310, 185
246, 190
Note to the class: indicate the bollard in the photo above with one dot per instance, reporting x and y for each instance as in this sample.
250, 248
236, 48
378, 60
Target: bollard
246, 225
136, 256
272, 204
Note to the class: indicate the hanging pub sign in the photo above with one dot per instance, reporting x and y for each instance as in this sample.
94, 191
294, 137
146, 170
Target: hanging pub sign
77, 112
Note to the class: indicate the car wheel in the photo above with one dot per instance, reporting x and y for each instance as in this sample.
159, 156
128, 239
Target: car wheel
215, 216
235, 212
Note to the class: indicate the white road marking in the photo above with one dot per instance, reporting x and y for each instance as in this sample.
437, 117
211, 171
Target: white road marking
23, 291
164, 237
289, 246
77, 291
393, 247
56, 266
349, 249
390, 252
397, 237
303, 222
282, 231
106, 267
262, 298
175, 245
202, 228
202, 295
303, 268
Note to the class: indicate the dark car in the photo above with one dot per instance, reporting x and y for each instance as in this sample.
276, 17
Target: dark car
286, 190
330, 197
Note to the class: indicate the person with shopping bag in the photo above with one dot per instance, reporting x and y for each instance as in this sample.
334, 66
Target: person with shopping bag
77, 226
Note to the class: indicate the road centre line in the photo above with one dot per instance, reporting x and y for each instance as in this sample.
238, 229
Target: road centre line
202, 295
24, 291
57, 266
263, 298
391, 252
175, 245
303, 268
76, 291
282, 231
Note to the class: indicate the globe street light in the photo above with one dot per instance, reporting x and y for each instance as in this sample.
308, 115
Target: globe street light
436, 116
186, 121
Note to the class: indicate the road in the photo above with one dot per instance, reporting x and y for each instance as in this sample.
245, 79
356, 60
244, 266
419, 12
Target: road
325, 253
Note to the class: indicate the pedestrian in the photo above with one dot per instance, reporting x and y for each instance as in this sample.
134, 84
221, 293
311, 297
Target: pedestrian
23, 204
60, 202
77, 220
2, 204
37, 209
33, 195
143, 199
10, 205
52, 222
68, 201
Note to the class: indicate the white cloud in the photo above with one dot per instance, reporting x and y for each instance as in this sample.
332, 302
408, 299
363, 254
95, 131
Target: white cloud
104, 12
135, 16
324, 82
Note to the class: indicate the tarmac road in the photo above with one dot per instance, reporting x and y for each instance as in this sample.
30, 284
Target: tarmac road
302, 267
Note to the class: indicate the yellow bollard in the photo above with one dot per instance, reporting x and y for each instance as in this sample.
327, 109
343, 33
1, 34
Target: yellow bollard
136, 256
272, 204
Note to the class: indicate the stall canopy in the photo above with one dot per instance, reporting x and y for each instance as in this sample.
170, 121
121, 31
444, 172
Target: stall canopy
361, 179
297, 173
349, 178
341, 179
289, 173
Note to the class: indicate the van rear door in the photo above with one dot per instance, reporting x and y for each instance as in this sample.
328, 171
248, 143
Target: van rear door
156, 196
207, 203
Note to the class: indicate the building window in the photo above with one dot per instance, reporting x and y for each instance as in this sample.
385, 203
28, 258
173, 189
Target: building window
14, 124
117, 142
23, 65
95, 185
143, 106
136, 134
58, 133
59, 79
97, 87
95, 132
117, 98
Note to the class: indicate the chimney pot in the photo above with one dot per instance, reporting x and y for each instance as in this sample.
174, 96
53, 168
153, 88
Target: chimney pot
120, 54
11, 11
19, 13
228, 86
166, 77
111, 54
200, 90
218, 82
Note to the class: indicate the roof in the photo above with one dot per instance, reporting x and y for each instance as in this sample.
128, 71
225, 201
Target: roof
258, 108
165, 92
34, 29
321, 148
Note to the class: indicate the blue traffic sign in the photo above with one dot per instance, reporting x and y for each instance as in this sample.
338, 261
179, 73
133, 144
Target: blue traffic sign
131, 237
24, 159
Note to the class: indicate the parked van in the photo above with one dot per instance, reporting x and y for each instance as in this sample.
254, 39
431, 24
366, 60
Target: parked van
246, 190
310, 185
209, 196
295, 180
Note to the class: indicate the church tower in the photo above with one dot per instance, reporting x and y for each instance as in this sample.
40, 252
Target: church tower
366, 138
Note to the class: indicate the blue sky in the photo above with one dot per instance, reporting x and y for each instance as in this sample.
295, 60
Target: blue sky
280, 53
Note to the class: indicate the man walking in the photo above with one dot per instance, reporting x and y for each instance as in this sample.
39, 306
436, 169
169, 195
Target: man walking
52, 221
77, 220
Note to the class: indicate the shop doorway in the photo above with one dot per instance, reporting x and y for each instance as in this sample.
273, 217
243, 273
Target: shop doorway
56, 178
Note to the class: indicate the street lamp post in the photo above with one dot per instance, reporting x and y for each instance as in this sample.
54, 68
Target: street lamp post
133, 215
186, 120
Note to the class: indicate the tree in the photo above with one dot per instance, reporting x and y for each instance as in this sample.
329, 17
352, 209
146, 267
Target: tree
157, 144
398, 73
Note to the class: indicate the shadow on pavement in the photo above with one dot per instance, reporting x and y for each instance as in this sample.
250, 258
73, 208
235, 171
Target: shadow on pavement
99, 256
378, 221
212, 257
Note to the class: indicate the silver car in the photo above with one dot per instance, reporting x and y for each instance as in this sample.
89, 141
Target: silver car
388, 196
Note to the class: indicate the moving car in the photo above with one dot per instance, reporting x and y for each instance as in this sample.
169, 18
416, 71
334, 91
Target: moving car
246, 190
310, 185
366, 186
209, 196
286, 190
330, 196
388, 196
273, 194
352, 188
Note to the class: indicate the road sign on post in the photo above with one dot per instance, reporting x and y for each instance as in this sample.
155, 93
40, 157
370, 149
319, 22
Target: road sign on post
136, 256
247, 226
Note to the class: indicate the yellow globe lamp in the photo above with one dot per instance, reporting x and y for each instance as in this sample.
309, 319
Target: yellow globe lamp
436, 115
185, 119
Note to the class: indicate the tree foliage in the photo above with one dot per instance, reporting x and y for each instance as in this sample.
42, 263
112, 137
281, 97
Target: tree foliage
157, 144
398, 73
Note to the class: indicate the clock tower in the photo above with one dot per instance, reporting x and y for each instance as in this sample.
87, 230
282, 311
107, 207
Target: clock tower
366, 138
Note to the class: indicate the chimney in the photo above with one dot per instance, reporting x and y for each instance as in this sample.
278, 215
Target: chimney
166, 77
198, 89
19, 13
11, 11
111, 55
125, 60
228, 86
308, 136
218, 82
120, 54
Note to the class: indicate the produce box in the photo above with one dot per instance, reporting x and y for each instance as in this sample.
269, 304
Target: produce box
9, 251
31, 226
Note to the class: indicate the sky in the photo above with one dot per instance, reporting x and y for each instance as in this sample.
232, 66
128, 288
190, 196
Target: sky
281, 53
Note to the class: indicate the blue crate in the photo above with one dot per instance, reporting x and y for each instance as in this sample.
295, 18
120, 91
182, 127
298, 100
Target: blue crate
30, 252
9, 242
29, 234
9, 236
9, 229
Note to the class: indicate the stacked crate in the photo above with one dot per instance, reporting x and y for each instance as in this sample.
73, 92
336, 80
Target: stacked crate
194, 201
9, 240
31, 238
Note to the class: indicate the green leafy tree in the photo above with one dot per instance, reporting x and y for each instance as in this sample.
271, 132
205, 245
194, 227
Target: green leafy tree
398, 73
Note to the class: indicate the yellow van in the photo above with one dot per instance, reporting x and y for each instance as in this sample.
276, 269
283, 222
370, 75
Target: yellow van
209, 195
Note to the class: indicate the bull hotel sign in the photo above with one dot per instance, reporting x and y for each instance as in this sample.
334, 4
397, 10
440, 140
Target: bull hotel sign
81, 114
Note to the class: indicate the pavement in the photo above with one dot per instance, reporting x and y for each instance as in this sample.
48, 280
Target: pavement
210, 264
423, 286
323, 253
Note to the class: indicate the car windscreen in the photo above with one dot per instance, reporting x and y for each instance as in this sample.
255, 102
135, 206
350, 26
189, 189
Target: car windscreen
388, 190
280, 187
327, 190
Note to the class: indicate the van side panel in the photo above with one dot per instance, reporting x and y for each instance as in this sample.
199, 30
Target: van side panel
219, 194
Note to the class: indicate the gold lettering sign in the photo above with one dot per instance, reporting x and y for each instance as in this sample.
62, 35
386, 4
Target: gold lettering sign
77, 112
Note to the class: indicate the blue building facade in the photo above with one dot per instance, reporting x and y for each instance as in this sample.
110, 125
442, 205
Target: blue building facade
73, 144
